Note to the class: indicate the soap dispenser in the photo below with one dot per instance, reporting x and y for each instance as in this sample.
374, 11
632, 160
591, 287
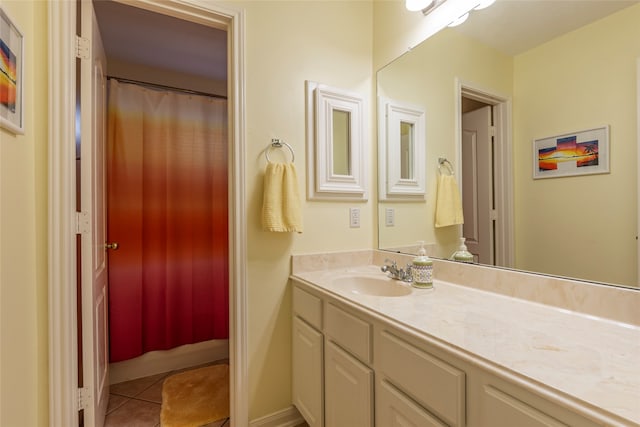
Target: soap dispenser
462, 254
422, 269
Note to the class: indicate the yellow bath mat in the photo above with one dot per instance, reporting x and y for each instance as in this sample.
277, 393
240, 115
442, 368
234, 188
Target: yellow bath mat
196, 397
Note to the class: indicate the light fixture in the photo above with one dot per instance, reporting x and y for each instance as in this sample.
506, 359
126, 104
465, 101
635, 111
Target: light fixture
484, 4
459, 20
416, 5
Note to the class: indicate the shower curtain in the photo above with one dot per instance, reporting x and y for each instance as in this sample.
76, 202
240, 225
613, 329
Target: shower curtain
167, 210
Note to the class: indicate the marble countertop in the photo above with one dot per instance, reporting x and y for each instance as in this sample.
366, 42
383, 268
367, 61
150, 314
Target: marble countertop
594, 360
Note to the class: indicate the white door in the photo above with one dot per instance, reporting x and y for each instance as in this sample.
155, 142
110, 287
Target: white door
95, 360
477, 185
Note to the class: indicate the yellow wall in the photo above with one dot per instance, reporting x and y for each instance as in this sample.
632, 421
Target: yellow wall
23, 236
286, 44
604, 207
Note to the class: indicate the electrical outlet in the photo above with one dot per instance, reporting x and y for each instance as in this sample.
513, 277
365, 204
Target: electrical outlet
389, 217
354, 217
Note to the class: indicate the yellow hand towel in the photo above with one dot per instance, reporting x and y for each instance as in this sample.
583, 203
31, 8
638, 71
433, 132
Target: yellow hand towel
448, 202
281, 209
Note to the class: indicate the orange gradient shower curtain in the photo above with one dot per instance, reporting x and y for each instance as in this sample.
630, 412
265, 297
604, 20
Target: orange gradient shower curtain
167, 209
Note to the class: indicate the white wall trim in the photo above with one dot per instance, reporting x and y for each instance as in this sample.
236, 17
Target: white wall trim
289, 417
62, 292
62, 280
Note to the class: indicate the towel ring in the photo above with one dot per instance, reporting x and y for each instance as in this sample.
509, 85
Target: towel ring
442, 161
277, 143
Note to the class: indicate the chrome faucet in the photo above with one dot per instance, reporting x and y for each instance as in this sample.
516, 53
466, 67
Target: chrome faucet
396, 273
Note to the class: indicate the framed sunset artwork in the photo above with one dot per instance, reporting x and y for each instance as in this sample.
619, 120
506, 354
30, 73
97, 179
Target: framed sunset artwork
576, 153
11, 83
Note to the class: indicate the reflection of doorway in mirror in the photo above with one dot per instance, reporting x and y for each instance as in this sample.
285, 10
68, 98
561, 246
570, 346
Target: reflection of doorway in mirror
477, 183
485, 170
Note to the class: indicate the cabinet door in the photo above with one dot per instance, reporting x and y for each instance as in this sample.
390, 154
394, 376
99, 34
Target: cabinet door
307, 384
349, 390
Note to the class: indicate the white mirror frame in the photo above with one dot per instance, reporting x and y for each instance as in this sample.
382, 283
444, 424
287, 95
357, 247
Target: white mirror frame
322, 182
392, 187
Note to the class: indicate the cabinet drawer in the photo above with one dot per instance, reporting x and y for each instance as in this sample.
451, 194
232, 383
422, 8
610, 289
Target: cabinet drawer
434, 384
504, 410
308, 307
350, 332
393, 409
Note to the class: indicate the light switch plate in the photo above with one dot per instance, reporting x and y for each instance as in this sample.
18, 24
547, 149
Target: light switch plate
389, 217
354, 217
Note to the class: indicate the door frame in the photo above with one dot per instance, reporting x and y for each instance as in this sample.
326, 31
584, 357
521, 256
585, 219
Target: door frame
63, 363
502, 160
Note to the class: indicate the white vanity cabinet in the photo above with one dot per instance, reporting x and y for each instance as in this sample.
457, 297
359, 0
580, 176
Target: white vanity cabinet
333, 384
502, 403
308, 357
349, 389
353, 367
437, 387
348, 378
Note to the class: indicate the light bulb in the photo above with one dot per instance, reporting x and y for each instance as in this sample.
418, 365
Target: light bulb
416, 5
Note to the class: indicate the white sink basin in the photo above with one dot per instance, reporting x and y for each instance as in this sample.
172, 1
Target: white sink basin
380, 286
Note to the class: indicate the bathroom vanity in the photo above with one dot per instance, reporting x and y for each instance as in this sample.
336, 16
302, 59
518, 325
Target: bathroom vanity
453, 356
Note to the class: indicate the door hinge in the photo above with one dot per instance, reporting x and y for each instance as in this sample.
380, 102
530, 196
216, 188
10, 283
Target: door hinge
83, 223
493, 214
492, 130
84, 398
82, 47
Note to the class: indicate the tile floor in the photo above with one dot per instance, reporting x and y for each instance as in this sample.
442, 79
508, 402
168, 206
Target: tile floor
137, 403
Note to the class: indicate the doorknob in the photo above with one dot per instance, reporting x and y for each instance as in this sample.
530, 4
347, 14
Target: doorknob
113, 246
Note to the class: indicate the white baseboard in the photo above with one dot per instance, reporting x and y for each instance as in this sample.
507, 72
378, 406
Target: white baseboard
158, 362
289, 417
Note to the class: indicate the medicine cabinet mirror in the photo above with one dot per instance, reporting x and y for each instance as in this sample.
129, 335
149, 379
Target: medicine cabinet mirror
337, 153
401, 155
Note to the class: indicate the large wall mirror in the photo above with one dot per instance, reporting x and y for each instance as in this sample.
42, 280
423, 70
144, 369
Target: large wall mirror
529, 70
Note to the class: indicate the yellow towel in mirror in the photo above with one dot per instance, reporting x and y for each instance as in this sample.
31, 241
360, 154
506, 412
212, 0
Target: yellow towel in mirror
281, 209
448, 202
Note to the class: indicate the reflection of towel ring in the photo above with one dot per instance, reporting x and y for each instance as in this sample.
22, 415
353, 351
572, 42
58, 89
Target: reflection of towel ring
442, 161
277, 143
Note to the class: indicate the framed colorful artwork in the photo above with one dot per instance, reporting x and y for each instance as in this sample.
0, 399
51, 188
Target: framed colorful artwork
11, 81
576, 153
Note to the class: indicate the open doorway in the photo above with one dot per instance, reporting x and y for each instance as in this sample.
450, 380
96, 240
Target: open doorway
67, 394
484, 156
175, 73
159, 153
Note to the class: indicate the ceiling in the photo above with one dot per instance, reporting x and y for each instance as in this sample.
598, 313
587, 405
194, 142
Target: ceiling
135, 35
515, 26
138, 36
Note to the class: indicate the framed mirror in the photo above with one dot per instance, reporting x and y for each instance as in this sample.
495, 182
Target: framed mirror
336, 152
547, 68
401, 157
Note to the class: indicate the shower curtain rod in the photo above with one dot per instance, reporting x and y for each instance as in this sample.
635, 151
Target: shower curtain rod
159, 86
